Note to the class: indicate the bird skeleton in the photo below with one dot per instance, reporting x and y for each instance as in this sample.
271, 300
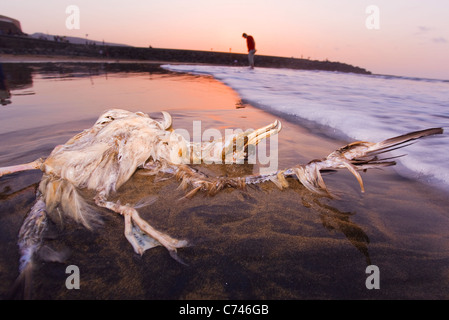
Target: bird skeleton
105, 156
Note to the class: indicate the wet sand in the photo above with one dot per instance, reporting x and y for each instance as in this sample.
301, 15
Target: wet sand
259, 243
20, 58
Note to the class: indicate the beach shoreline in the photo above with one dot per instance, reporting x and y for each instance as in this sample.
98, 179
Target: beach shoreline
30, 46
259, 243
21, 58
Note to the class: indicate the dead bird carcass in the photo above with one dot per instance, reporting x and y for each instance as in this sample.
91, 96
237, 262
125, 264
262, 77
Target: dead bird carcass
104, 157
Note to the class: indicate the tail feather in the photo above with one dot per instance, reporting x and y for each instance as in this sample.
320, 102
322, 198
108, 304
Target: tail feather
21, 289
29, 242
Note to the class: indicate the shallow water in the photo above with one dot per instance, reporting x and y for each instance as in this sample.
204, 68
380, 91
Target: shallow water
261, 243
360, 107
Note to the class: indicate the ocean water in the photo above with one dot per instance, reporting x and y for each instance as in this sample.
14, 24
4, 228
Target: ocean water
352, 106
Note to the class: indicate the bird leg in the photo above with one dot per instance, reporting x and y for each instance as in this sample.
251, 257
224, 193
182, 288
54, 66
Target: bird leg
36, 164
258, 135
139, 233
235, 147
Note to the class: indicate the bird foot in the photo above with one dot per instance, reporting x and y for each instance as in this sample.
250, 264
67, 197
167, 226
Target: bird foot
140, 234
142, 240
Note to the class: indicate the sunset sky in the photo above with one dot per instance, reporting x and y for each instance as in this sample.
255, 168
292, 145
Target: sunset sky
404, 37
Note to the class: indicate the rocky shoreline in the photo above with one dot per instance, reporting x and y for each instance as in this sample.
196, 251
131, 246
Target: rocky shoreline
22, 45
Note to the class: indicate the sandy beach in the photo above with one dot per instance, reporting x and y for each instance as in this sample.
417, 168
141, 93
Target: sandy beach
259, 243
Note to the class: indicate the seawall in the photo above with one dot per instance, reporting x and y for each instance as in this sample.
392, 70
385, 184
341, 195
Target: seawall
22, 45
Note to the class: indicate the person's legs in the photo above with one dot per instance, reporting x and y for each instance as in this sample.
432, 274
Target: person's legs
251, 54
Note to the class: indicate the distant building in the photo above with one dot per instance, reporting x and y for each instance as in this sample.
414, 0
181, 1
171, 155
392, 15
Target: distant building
10, 26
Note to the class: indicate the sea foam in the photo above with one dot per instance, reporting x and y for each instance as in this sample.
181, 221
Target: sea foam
359, 107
